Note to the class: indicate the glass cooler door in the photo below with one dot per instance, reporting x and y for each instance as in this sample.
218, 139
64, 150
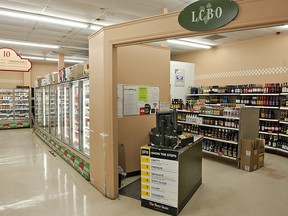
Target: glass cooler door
86, 118
39, 107
53, 105
46, 109
75, 115
59, 108
66, 113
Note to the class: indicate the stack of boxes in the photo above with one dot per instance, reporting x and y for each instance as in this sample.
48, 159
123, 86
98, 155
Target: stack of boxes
66, 74
252, 154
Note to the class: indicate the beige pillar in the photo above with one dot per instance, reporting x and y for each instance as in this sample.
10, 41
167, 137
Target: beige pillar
61, 63
27, 78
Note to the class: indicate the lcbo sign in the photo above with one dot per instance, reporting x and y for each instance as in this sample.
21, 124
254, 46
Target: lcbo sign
208, 14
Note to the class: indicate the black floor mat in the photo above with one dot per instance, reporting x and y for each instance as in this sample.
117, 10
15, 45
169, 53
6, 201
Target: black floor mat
132, 190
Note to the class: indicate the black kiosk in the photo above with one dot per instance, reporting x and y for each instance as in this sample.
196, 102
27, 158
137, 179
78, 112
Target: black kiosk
171, 166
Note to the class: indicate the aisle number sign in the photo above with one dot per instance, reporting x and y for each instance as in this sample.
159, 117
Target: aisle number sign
206, 15
10, 60
159, 179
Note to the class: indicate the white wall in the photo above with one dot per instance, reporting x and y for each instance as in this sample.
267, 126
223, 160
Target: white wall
188, 71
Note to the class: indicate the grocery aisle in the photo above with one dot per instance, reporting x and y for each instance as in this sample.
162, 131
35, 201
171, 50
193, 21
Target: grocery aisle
34, 182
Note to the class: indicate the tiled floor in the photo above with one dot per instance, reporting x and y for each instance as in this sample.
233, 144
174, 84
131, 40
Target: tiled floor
34, 182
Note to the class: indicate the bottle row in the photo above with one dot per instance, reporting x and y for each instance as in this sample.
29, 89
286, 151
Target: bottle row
220, 111
225, 149
217, 133
284, 129
194, 129
273, 141
189, 117
221, 122
267, 114
259, 100
284, 116
268, 88
270, 127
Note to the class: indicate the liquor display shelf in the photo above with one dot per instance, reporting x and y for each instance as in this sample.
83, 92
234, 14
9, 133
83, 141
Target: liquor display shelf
207, 125
220, 127
270, 120
188, 111
264, 107
268, 133
213, 94
283, 122
222, 117
276, 149
221, 140
219, 155
283, 135
260, 94
283, 108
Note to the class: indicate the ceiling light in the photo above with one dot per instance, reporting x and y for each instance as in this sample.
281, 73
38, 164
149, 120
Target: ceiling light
66, 60
196, 41
285, 26
33, 57
186, 43
28, 44
43, 18
95, 27
73, 47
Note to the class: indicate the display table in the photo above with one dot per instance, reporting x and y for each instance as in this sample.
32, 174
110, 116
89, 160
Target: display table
170, 177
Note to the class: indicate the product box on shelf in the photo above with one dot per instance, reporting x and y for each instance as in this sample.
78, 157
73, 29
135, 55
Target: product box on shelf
48, 79
55, 77
86, 69
39, 82
75, 72
249, 147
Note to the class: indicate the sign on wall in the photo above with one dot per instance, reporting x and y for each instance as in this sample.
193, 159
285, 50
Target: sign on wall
137, 100
12, 61
208, 14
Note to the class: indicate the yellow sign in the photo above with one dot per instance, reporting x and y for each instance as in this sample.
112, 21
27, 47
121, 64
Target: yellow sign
143, 94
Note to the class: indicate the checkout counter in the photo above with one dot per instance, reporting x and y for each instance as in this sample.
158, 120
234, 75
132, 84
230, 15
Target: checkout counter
171, 166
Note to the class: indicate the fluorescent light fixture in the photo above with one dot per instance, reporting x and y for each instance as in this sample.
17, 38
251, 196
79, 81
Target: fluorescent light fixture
285, 26
95, 27
43, 18
66, 60
196, 41
33, 57
73, 47
28, 44
189, 44
73, 61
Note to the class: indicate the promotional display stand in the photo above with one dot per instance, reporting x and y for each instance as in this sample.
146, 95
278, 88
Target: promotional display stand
170, 177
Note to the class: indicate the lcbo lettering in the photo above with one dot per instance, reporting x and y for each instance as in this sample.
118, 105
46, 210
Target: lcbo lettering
206, 14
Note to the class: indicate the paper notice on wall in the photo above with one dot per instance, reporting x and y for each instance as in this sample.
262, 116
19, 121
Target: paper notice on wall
142, 93
179, 78
130, 101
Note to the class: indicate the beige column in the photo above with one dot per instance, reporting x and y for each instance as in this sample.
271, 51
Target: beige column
27, 78
61, 63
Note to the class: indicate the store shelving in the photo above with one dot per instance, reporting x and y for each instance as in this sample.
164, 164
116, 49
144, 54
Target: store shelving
221, 140
15, 108
219, 155
220, 127
269, 120
222, 117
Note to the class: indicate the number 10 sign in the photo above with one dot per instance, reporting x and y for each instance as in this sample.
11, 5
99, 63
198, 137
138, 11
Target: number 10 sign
12, 61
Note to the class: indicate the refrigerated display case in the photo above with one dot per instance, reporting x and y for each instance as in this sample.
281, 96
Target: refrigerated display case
75, 115
6, 105
66, 113
53, 110
86, 118
22, 104
15, 108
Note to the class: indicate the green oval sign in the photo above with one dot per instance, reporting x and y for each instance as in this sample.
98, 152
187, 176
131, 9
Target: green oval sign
208, 14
